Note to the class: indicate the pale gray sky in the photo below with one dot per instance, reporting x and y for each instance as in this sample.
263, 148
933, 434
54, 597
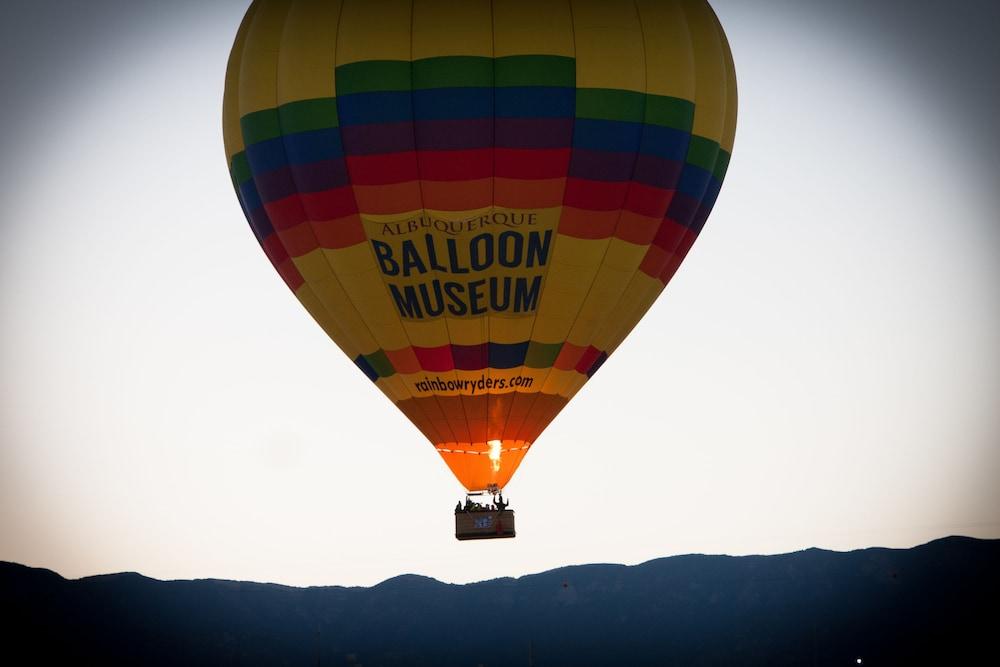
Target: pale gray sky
823, 371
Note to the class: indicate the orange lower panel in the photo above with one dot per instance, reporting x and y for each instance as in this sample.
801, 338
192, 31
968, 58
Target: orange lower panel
461, 427
476, 469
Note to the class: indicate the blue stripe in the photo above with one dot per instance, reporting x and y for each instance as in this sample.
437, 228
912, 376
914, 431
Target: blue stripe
711, 194
249, 196
707, 204
381, 107
452, 103
267, 155
366, 368
314, 146
508, 355
534, 102
665, 142
694, 181
683, 209
607, 135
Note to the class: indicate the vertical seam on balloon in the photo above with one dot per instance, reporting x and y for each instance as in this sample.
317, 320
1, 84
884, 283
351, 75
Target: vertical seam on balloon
721, 54
607, 248
628, 189
239, 42
490, 400
277, 238
624, 334
350, 184
347, 170
493, 143
728, 137
297, 195
725, 57
423, 210
531, 335
645, 60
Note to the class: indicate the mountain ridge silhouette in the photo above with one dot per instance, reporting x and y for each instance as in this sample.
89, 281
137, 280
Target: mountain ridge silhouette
935, 602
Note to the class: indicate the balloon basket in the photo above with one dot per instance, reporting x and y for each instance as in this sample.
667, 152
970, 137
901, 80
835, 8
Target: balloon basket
484, 525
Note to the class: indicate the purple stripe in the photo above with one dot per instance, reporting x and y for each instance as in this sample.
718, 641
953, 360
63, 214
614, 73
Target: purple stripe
700, 218
534, 132
377, 138
275, 185
601, 165
597, 364
444, 135
470, 357
657, 172
320, 176
683, 209
260, 223
460, 134
287, 181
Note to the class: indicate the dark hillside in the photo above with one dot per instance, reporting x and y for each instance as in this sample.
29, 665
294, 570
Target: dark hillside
939, 602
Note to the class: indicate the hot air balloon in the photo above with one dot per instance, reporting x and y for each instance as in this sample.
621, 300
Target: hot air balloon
477, 201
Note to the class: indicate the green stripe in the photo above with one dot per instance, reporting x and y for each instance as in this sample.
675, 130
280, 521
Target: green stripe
536, 71
607, 104
240, 169
669, 112
541, 355
453, 72
307, 115
702, 152
380, 362
721, 165
260, 126
371, 76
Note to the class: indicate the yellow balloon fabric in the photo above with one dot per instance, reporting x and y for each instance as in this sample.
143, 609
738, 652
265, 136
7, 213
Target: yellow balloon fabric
478, 200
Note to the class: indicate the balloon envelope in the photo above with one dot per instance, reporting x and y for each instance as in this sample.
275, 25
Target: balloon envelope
478, 200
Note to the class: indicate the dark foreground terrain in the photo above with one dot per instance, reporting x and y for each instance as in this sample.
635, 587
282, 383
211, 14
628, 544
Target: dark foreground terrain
934, 604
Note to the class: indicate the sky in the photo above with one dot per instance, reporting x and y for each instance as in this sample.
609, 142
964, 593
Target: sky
824, 370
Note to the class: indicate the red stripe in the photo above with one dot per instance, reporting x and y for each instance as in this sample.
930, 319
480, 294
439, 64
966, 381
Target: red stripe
298, 240
647, 200
669, 235
286, 213
654, 261
587, 359
637, 229
403, 360
437, 359
329, 204
531, 163
456, 165
274, 250
671, 268
595, 195
382, 169
677, 256
568, 357
587, 224
290, 274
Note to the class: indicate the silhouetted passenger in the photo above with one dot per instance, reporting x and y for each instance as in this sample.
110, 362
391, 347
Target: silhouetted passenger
501, 505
